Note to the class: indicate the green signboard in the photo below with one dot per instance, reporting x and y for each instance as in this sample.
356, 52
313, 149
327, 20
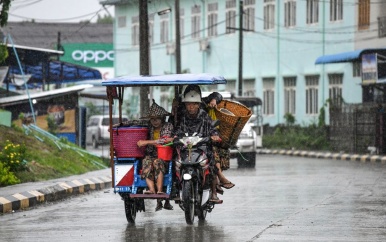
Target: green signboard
89, 54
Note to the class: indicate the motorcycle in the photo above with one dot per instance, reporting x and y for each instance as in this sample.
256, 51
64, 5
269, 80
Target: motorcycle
194, 176
126, 159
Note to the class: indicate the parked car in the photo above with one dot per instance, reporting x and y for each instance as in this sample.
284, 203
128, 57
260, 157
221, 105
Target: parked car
245, 150
97, 129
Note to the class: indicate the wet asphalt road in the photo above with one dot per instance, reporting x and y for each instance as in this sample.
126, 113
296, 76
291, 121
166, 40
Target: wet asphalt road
283, 199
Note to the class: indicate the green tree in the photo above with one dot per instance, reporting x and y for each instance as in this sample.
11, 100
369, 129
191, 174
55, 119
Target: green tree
52, 126
289, 119
91, 109
5, 4
106, 19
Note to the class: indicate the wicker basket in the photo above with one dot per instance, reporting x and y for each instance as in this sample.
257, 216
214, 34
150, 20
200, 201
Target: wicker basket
125, 141
231, 125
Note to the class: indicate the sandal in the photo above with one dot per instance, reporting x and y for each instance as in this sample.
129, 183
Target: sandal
159, 206
219, 190
227, 185
168, 206
148, 192
214, 198
160, 193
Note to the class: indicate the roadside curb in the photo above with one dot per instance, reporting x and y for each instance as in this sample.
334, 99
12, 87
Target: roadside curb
326, 155
59, 191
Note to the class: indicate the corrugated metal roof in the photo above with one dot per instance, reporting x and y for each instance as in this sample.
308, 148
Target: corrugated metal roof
41, 95
45, 35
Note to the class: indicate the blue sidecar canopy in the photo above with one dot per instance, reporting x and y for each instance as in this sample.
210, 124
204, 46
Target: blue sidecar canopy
166, 80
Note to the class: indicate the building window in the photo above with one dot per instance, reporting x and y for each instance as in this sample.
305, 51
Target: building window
336, 10
212, 19
196, 15
230, 16
312, 86
290, 95
289, 13
230, 86
312, 11
269, 14
182, 22
135, 30
121, 21
249, 15
249, 88
381, 27
335, 88
363, 14
356, 68
268, 96
151, 28
164, 30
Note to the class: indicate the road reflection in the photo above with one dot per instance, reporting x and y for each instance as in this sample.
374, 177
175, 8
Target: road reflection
200, 231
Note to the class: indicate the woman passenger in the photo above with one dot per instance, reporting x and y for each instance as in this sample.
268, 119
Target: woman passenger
153, 168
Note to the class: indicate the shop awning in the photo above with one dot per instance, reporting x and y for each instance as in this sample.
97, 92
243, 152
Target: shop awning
349, 56
57, 72
43, 66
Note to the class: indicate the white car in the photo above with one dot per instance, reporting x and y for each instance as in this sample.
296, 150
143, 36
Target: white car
98, 129
248, 141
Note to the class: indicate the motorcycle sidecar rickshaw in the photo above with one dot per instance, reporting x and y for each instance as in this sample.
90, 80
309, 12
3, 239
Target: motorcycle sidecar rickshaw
126, 157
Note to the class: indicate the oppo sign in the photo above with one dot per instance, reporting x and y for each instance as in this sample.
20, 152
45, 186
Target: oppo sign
94, 56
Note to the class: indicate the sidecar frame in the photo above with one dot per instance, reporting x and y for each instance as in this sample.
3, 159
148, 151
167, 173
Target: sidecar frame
128, 168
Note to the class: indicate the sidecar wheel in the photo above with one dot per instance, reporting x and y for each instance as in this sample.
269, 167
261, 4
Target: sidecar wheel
130, 210
188, 195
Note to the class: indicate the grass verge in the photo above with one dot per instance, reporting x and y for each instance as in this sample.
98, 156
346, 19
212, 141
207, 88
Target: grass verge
46, 159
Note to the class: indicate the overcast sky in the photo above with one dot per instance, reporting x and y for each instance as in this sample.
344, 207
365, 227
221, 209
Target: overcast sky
56, 10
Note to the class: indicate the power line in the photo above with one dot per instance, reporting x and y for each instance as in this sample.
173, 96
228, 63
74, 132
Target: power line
84, 25
27, 3
22, 5
53, 20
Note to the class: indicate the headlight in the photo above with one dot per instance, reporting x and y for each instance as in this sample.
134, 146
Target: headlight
246, 134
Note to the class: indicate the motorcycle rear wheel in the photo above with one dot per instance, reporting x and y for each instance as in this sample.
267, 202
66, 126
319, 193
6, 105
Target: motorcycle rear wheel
202, 214
188, 195
130, 210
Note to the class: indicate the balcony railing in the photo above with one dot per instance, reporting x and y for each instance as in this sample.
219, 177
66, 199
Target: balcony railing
381, 27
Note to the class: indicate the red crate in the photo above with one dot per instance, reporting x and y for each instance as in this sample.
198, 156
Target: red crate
125, 141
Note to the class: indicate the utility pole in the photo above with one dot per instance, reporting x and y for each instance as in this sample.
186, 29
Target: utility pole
144, 54
177, 88
178, 37
241, 9
240, 29
178, 44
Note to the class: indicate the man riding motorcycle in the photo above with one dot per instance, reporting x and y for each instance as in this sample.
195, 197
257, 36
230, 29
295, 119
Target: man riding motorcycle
195, 120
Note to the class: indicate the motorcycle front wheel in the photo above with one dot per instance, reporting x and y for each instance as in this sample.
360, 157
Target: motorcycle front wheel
188, 198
